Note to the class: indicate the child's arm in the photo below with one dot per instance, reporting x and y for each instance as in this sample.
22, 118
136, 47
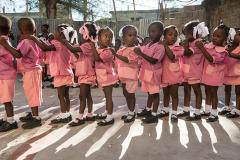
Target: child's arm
70, 47
151, 60
41, 44
11, 49
96, 56
169, 52
232, 55
200, 45
187, 51
122, 58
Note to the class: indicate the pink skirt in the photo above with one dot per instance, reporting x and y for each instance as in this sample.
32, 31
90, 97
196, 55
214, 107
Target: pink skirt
131, 85
87, 79
232, 80
32, 85
63, 81
150, 88
7, 90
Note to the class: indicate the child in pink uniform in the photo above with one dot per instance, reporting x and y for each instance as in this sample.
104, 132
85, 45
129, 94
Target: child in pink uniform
172, 73
127, 67
85, 71
8, 74
151, 71
232, 77
32, 73
192, 70
105, 73
214, 67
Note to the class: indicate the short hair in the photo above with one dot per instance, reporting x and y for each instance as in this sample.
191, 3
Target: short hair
159, 24
190, 25
125, 29
166, 29
26, 25
92, 29
5, 25
46, 26
224, 28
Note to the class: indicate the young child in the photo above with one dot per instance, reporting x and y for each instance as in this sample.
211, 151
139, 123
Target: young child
172, 74
214, 66
8, 74
232, 77
127, 67
85, 71
106, 76
32, 73
151, 71
192, 67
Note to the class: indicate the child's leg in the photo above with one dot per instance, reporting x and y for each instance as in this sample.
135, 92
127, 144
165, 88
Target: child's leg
156, 100
237, 91
108, 95
187, 96
125, 93
61, 97
198, 94
208, 100
152, 117
228, 89
89, 99
214, 90
149, 101
174, 94
9, 109
67, 99
166, 96
83, 98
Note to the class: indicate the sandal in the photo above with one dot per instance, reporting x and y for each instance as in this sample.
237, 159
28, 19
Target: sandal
163, 114
100, 116
232, 114
129, 118
224, 110
77, 122
104, 122
212, 118
174, 118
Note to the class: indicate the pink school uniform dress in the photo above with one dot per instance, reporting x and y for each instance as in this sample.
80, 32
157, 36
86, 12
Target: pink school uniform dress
150, 74
193, 65
8, 75
232, 70
60, 65
85, 65
32, 72
105, 73
172, 71
213, 73
128, 72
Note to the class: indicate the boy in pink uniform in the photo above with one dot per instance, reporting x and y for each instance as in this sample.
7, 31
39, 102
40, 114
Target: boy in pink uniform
232, 77
214, 67
106, 76
85, 71
127, 67
192, 69
32, 73
172, 73
8, 75
151, 71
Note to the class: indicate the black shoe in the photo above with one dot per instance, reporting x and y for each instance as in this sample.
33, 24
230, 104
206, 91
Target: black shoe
163, 114
203, 113
100, 116
195, 117
124, 117
32, 124
26, 118
1, 122
174, 118
232, 115
104, 122
93, 118
129, 118
77, 122
183, 114
61, 120
150, 119
6, 126
212, 118
224, 111
143, 113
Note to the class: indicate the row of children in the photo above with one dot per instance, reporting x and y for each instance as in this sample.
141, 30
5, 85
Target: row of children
162, 63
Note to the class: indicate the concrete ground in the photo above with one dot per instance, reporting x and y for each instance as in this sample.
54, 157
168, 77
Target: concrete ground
164, 140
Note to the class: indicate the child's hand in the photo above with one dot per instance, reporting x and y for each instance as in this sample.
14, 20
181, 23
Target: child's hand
113, 51
199, 44
2, 40
137, 50
92, 44
185, 44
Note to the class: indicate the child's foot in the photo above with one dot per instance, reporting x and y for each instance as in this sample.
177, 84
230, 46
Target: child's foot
144, 112
129, 118
101, 116
6, 126
77, 122
27, 117
183, 114
232, 114
105, 122
150, 119
224, 110
163, 114
204, 113
32, 124
212, 118
195, 117
174, 118
88, 118
62, 120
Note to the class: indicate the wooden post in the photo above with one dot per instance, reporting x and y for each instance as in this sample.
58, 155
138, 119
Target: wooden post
27, 8
115, 13
134, 11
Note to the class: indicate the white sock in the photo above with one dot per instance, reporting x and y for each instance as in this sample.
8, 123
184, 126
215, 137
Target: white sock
214, 112
186, 109
237, 111
90, 114
131, 113
109, 117
174, 112
165, 109
154, 113
104, 113
37, 117
10, 120
80, 116
5, 117
148, 109
207, 108
197, 111
227, 108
